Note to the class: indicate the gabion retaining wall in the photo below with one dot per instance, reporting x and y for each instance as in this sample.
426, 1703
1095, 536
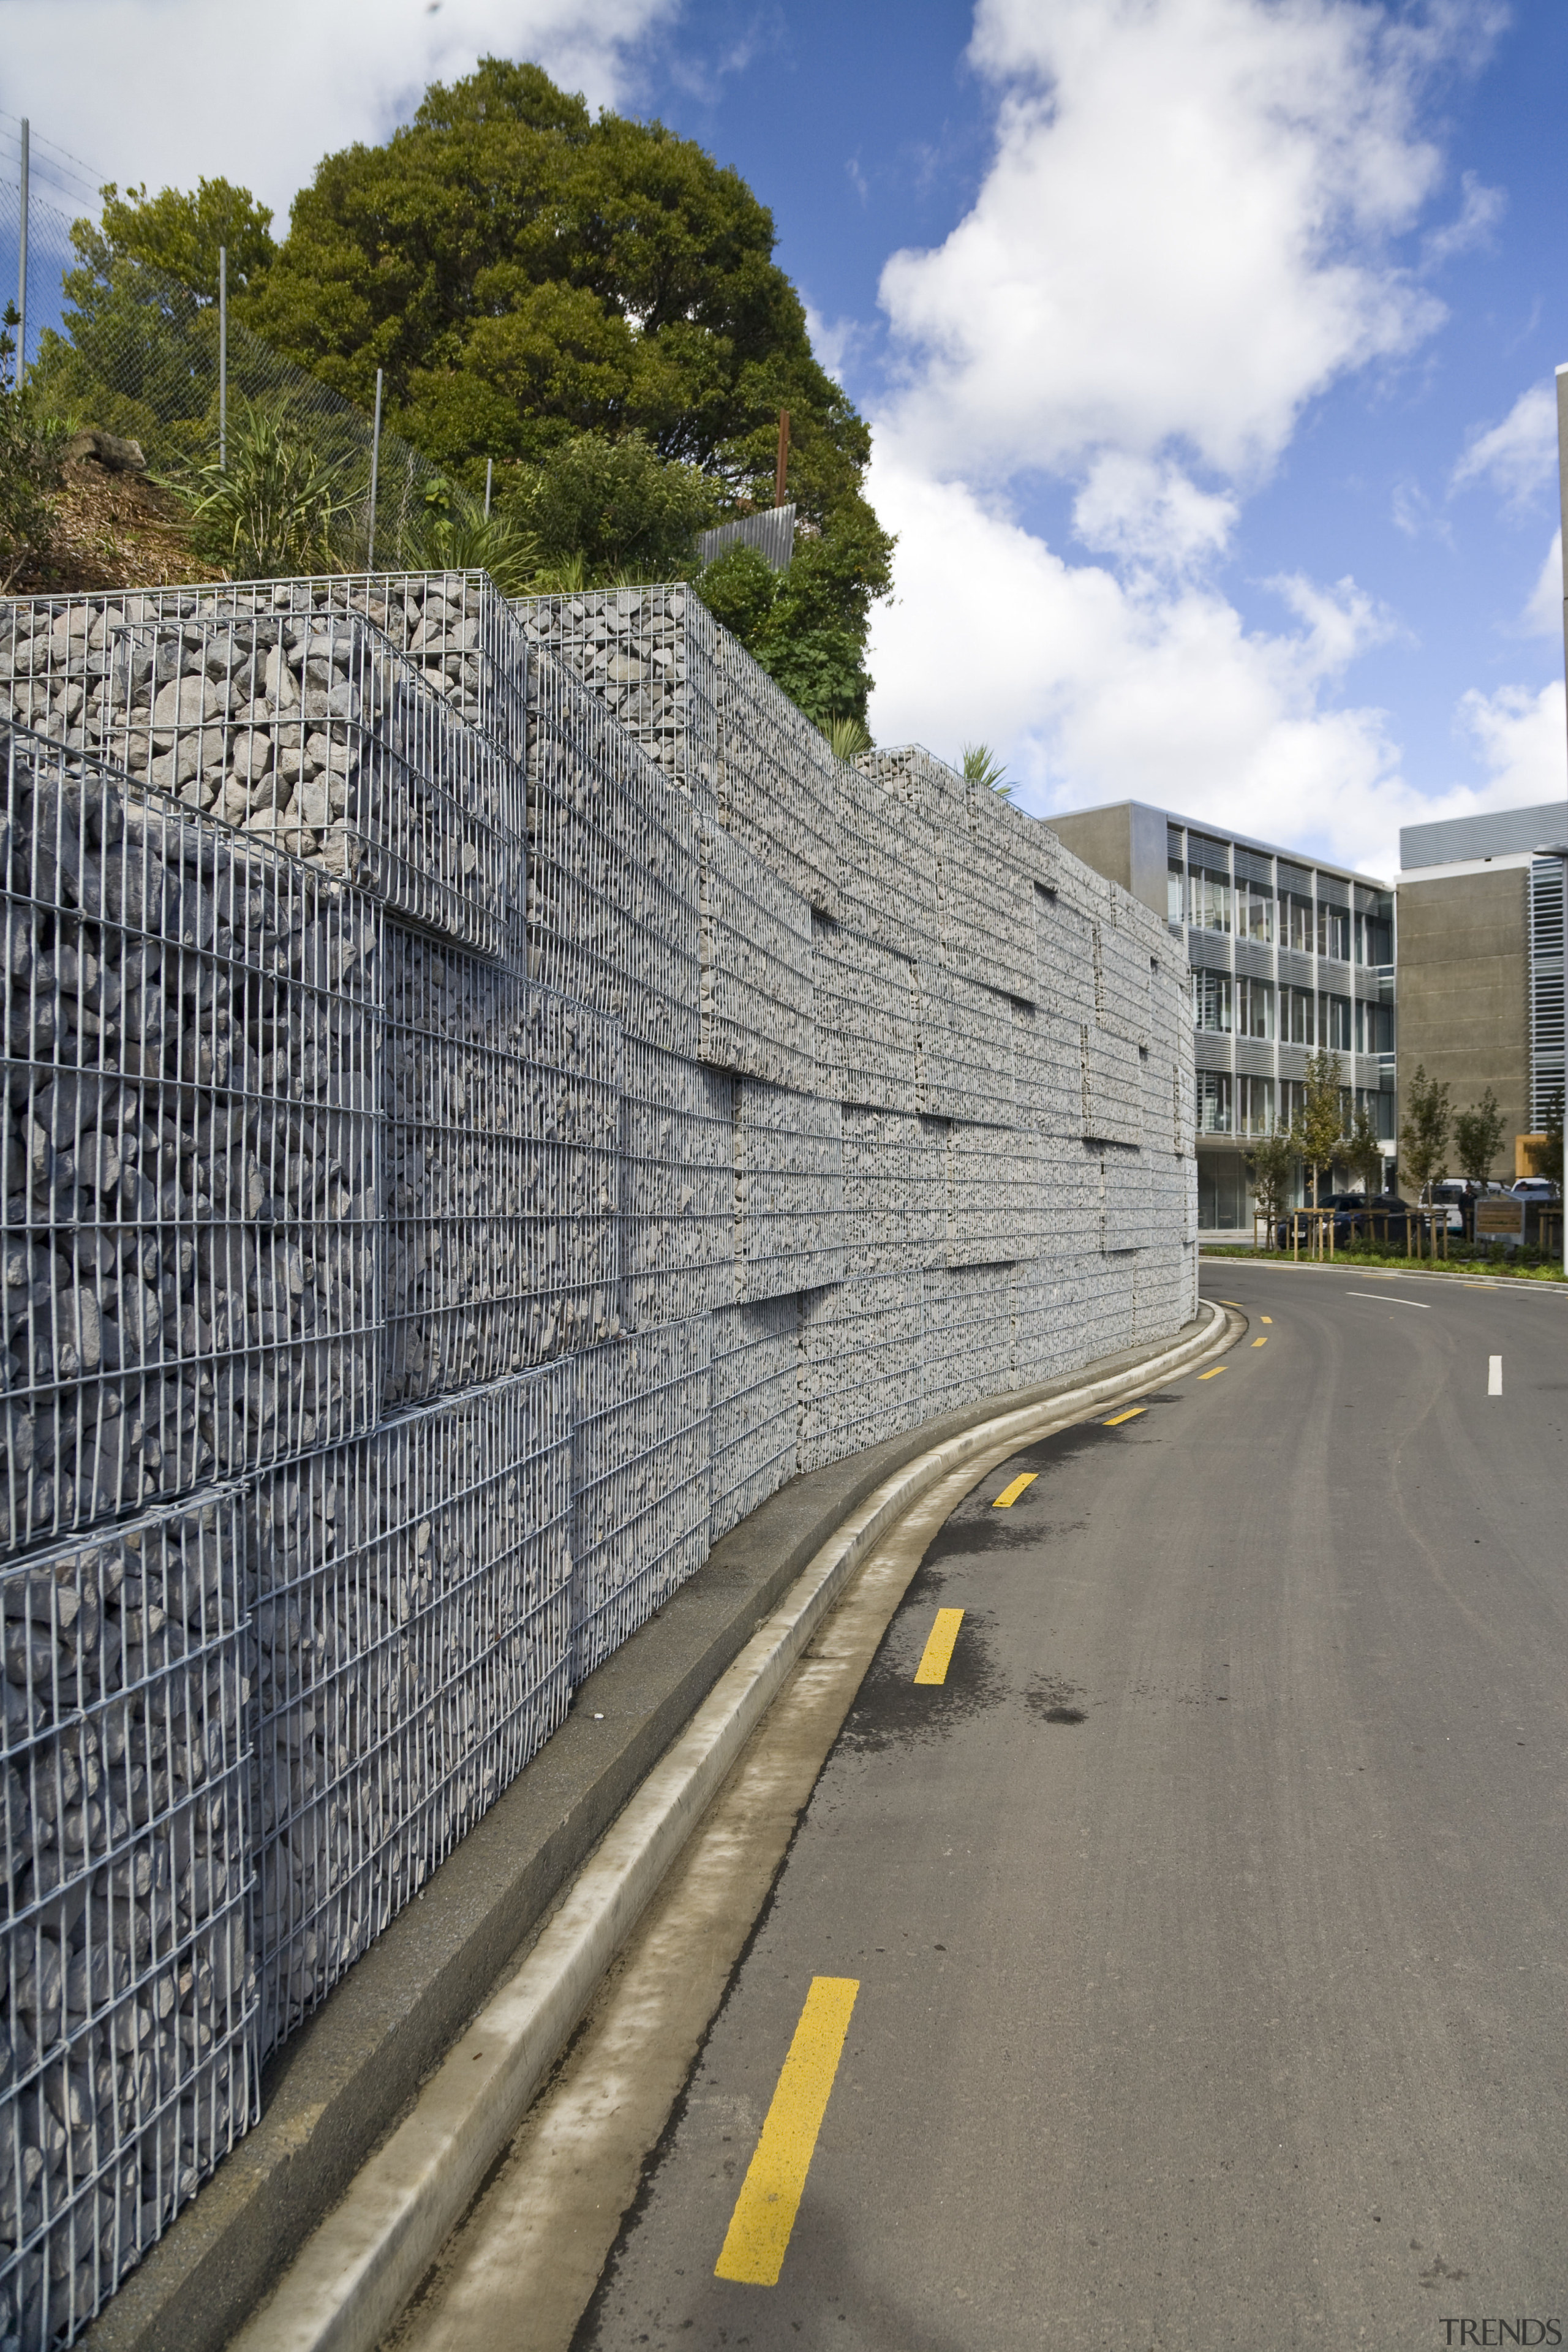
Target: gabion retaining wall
489, 1099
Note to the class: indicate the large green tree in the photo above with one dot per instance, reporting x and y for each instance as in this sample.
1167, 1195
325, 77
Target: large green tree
524, 272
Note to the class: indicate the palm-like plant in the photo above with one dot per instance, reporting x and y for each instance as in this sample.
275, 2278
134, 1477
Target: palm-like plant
848, 738
280, 503
982, 767
471, 541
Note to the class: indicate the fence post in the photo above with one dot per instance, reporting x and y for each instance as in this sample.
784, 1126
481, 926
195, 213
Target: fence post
374, 471
22, 269
489, 470
223, 359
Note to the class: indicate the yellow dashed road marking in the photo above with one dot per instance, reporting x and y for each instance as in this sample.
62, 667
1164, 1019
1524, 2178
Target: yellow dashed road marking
758, 2237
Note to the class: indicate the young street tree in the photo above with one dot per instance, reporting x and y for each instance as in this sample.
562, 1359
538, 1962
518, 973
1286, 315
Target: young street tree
1477, 1137
1423, 1132
1317, 1129
1269, 1163
1362, 1153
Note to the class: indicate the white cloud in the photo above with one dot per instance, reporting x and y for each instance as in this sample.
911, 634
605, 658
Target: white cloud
1522, 739
1182, 236
1186, 234
172, 91
1151, 513
1518, 456
1542, 614
1479, 214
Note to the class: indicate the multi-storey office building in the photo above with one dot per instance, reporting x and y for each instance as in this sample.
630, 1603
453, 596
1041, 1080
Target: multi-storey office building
1286, 955
1481, 931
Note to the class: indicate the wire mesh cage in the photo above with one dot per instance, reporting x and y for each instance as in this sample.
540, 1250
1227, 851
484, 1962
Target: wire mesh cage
895, 1195
501, 1179
413, 1638
755, 1409
867, 1013
964, 1047
887, 862
995, 1206
758, 995
1113, 1087
315, 735
779, 780
1048, 1067
643, 1494
649, 656
615, 872
191, 1189
861, 1356
677, 1188
968, 1323
460, 637
789, 1190
126, 1985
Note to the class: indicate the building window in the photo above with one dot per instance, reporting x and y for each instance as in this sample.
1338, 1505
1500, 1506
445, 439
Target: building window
1208, 899
1378, 1104
1296, 1027
1373, 1028
1254, 1007
1211, 999
1298, 920
1373, 939
1292, 1101
1254, 1106
1334, 1022
1255, 912
1213, 1102
1175, 892
1335, 931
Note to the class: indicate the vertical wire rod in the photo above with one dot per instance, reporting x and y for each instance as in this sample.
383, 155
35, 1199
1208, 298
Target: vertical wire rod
21, 267
223, 359
374, 471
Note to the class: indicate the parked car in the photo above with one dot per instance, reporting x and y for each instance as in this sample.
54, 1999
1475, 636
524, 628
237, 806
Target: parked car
1385, 1217
1534, 1188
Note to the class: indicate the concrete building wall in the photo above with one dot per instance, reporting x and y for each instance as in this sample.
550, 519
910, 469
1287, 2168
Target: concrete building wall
1464, 990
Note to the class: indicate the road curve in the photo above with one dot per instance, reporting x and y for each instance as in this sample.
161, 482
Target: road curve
1205, 1917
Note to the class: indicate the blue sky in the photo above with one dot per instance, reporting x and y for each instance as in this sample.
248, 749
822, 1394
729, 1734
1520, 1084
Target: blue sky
1207, 343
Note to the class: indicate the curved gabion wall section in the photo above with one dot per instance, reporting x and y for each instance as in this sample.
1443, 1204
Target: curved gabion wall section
489, 1099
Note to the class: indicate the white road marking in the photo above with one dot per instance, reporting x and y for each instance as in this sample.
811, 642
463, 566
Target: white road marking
1384, 1299
1494, 1376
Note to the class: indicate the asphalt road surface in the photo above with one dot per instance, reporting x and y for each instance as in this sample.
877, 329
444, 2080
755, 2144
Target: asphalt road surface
1182, 1965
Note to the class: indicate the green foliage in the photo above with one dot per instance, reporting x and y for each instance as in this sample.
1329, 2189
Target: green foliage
1423, 1132
982, 768
1318, 1127
617, 504
1271, 1164
283, 504
1362, 1153
464, 539
848, 738
29, 465
524, 274
180, 234
739, 588
1477, 1137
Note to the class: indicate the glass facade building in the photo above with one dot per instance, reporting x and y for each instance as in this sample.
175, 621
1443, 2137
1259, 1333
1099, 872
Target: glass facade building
1286, 956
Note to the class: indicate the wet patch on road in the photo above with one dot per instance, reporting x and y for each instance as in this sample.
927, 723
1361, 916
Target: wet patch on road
1056, 1701
892, 1709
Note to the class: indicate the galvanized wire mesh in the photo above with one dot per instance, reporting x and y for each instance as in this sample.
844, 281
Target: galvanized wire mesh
1112, 1087
756, 1407
888, 861
190, 1199
895, 1192
614, 889
789, 1190
643, 1491
867, 1018
649, 657
996, 1206
412, 1637
779, 781
862, 1365
1048, 1052
964, 1048
758, 997
677, 1188
457, 634
502, 1118
968, 1324
126, 1983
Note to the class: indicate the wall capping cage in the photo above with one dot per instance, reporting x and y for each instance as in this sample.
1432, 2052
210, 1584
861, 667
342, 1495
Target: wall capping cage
489, 1099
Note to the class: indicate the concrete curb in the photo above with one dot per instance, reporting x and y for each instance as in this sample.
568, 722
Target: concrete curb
369, 2256
349, 2076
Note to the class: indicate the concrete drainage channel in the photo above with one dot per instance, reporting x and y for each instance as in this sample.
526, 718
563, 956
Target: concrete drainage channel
354, 2274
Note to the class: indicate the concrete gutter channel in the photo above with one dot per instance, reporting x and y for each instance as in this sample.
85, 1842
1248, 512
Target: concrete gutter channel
382, 2115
